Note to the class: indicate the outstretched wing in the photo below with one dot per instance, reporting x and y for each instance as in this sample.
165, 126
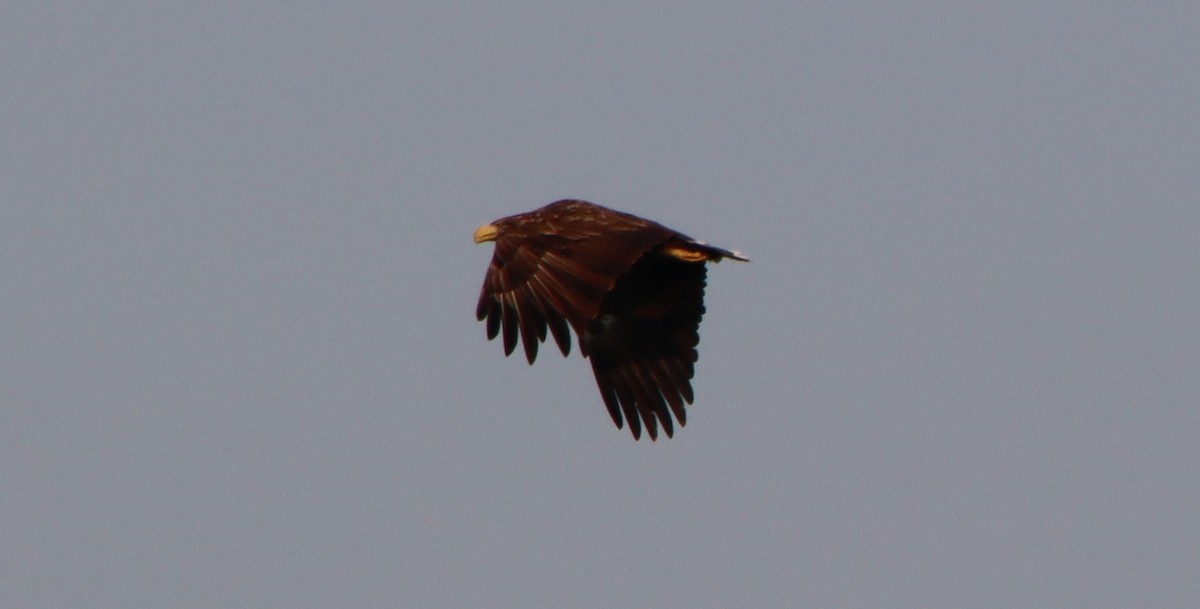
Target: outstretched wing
552, 269
534, 283
643, 344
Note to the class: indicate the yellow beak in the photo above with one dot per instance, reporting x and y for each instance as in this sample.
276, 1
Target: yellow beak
487, 232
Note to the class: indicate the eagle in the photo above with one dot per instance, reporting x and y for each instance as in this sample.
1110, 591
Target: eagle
631, 289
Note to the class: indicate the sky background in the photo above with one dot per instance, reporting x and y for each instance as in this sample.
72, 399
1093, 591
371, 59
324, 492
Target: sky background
239, 365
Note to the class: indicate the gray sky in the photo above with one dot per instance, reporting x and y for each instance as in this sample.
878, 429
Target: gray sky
240, 366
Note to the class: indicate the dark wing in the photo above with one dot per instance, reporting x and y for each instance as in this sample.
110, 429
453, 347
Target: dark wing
530, 285
643, 344
554, 276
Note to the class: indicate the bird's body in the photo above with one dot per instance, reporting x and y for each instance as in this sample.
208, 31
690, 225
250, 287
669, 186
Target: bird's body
631, 289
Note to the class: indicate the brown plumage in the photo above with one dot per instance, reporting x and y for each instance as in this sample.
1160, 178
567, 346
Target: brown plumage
632, 290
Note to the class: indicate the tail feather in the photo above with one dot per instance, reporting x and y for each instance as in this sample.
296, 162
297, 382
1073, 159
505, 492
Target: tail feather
699, 251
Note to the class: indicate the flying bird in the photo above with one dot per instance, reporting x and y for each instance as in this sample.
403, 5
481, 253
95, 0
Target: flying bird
631, 289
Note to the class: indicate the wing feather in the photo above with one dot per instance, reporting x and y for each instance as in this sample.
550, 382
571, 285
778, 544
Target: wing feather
628, 403
509, 323
662, 378
656, 406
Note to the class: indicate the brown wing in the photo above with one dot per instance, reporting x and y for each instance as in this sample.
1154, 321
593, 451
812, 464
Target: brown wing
554, 266
643, 344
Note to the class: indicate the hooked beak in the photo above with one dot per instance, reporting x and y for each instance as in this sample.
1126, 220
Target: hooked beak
487, 232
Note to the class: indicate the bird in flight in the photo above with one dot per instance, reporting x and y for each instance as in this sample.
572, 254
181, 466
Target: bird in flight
631, 289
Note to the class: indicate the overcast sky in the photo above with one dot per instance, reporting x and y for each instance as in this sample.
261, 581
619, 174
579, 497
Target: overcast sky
239, 365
